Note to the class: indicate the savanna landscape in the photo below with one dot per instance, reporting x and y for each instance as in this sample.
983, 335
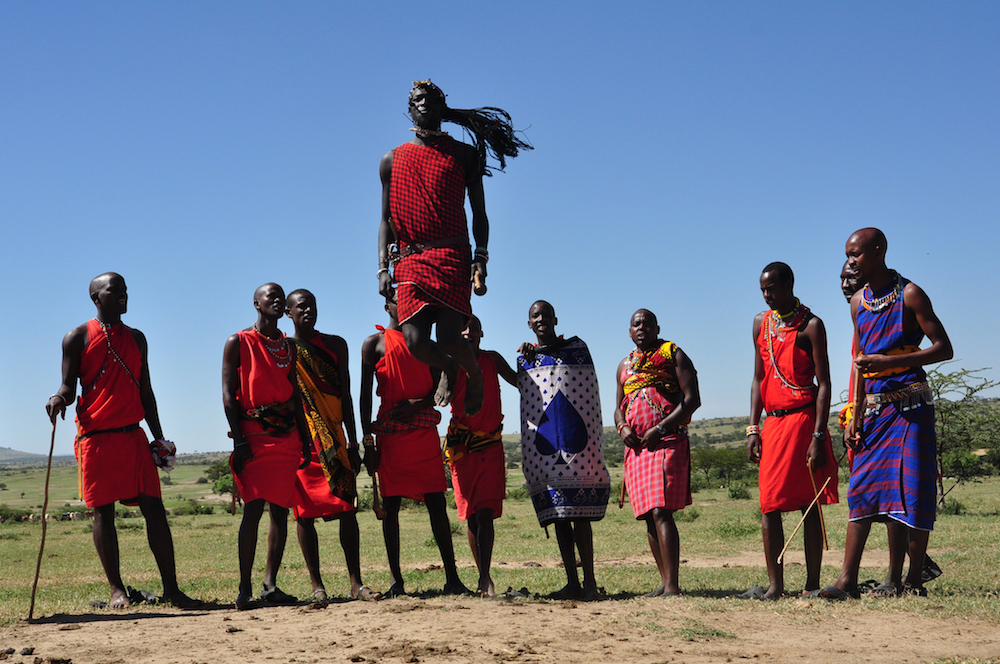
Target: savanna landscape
720, 550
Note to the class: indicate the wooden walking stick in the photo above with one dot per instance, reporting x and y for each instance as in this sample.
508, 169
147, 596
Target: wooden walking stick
804, 514
803, 519
45, 523
819, 506
858, 416
621, 498
377, 502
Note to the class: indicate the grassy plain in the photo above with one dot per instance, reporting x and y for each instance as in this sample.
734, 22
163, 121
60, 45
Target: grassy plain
720, 544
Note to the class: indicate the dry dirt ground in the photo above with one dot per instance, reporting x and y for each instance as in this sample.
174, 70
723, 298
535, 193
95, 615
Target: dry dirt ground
470, 629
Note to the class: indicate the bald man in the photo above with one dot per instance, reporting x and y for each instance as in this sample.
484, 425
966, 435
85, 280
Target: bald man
108, 358
893, 478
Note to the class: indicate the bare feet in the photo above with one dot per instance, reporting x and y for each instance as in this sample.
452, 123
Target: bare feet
366, 593
486, 588
455, 588
181, 601
446, 384
395, 590
568, 592
654, 593
119, 599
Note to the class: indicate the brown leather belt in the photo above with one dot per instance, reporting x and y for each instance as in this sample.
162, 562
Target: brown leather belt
789, 411
417, 247
124, 429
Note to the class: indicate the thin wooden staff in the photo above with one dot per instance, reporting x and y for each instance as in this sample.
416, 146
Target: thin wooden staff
377, 502
45, 523
819, 506
802, 520
621, 498
858, 417
806, 512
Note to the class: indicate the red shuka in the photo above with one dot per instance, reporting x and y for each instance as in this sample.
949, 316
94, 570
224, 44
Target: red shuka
410, 463
113, 466
427, 203
480, 478
271, 473
784, 475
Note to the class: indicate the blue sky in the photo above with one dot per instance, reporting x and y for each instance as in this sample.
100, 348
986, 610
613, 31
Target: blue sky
202, 149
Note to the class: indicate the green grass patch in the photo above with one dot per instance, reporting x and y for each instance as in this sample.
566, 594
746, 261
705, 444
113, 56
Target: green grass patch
697, 631
967, 546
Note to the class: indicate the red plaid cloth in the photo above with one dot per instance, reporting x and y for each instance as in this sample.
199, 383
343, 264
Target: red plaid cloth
427, 202
658, 478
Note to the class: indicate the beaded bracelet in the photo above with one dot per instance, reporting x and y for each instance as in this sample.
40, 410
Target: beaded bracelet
369, 440
753, 430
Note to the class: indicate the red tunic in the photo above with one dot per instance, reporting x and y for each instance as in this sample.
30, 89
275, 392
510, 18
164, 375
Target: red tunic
479, 478
270, 475
113, 466
313, 497
427, 203
410, 462
784, 475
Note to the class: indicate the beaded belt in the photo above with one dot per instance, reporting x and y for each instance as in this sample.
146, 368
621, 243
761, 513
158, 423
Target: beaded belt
921, 390
789, 411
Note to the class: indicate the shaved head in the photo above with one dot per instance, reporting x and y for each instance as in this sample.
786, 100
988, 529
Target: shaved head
649, 314
865, 251
870, 239
542, 303
261, 290
782, 271
97, 282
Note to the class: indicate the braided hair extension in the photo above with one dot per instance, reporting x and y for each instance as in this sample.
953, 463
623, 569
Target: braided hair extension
490, 127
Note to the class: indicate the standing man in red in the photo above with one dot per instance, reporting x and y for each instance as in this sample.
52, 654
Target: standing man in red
327, 487
894, 478
424, 183
657, 394
794, 443
474, 450
407, 456
270, 436
109, 360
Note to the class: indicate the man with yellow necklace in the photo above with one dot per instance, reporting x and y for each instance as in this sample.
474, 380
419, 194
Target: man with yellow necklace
895, 445
793, 446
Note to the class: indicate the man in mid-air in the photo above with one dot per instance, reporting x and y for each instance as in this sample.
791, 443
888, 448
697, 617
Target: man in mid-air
424, 183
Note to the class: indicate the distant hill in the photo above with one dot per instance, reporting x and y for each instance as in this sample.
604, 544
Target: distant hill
16, 458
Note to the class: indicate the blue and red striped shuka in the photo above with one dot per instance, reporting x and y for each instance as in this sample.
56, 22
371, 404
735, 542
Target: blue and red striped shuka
895, 473
427, 199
